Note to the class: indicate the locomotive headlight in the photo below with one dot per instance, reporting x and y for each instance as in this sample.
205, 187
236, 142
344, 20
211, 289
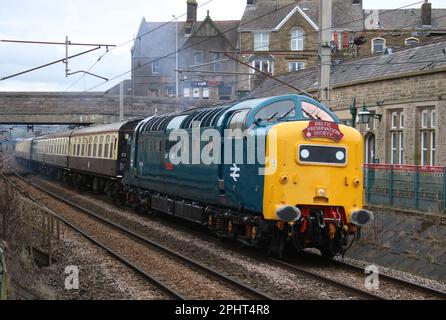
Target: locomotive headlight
361, 217
304, 153
340, 155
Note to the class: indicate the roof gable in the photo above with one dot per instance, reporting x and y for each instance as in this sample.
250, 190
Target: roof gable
292, 13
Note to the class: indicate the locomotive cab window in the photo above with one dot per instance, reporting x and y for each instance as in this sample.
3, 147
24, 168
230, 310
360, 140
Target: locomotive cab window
312, 111
276, 111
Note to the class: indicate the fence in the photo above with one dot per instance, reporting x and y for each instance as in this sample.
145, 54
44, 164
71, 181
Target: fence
405, 186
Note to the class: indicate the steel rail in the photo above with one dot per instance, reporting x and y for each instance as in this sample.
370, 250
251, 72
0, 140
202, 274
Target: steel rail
398, 281
196, 265
334, 283
110, 251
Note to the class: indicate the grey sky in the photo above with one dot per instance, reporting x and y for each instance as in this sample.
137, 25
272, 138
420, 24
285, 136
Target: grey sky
104, 21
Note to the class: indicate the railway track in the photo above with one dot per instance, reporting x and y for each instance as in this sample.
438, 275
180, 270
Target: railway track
329, 281
241, 288
435, 293
355, 290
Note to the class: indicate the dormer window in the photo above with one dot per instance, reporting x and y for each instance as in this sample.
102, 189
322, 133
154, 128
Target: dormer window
412, 41
261, 41
297, 40
378, 45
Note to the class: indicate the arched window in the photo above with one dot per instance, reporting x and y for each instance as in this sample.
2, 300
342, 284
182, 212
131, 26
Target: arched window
378, 45
411, 41
297, 40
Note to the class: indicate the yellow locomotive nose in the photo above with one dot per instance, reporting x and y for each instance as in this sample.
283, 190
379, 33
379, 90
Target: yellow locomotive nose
324, 173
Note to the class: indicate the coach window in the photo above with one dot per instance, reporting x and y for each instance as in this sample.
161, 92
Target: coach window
111, 149
90, 141
78, 144
101, 145
84, 147
276, 110
106, 147
95, 147
311, 111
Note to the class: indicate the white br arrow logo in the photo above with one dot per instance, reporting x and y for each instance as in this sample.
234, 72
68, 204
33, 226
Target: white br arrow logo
235, 172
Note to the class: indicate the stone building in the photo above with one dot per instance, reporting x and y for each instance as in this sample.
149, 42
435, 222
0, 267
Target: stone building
278, 36
398, 28
205, 74
406, 87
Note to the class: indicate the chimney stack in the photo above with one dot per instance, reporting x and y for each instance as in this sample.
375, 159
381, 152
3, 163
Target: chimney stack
192, 11
426, 13
191, 15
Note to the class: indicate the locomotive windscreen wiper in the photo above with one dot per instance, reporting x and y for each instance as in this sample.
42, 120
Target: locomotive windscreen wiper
285, 114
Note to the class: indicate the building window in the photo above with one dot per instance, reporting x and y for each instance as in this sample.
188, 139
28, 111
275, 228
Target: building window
153, 92
297, 40
225, 93
156, 67
412, 41
217, 64
261, 41
296, 66
198, 58
196, 93
205, 93
378, 45
341, 39
170, 91
263, 65
186, 92
397, 137
427, 136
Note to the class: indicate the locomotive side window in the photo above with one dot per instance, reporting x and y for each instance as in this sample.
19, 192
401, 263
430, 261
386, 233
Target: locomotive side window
276, 111
238, 119
311, 111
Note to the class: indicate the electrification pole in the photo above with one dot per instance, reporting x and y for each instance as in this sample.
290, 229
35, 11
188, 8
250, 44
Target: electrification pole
325, 37
177, 94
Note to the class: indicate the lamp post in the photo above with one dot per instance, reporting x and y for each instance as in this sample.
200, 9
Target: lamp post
176, 57
364, 114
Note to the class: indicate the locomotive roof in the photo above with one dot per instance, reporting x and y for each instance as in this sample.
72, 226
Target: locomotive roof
103, 128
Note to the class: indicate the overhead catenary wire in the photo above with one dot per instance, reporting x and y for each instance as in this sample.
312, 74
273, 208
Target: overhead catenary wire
132, 40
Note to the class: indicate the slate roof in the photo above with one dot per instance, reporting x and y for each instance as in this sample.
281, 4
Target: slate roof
408, 19
403, 61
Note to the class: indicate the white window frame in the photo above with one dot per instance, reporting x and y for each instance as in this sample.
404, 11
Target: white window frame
261, 41
297, 39
393, 142
423, 146
411, 38
401, 147
205, 93
394, 120
433, 118
432, 148
156, 66
384, 44
270, 65
290, 64
424, 116
401, 120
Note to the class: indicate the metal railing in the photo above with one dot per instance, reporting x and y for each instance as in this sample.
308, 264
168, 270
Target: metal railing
406, 186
